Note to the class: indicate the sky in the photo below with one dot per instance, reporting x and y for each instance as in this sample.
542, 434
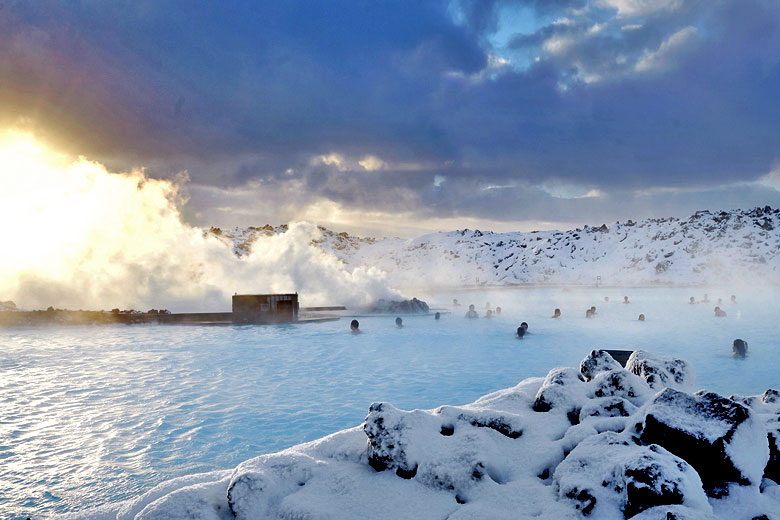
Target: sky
404, 117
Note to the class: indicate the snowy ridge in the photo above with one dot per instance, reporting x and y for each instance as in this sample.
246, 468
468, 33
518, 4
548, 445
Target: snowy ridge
537, 450
740, 246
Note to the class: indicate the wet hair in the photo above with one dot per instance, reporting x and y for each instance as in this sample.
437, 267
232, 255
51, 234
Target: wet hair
498, 310
625, 299
437, 316
593, 308
399, 322
739, 347
556, 313
641, 317
354, 325
471, 307
588, 313
520, 332
524, 325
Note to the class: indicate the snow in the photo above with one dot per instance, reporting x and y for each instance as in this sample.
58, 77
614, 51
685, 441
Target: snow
740, 246
501, 456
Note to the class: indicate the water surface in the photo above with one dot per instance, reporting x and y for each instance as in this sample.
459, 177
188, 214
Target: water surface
98, 414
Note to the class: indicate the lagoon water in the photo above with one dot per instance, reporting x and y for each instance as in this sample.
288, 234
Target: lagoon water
93, 415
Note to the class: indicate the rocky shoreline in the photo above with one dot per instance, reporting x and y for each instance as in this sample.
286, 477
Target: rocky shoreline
598, 441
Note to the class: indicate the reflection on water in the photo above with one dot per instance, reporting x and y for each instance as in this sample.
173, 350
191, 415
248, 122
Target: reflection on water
91, 415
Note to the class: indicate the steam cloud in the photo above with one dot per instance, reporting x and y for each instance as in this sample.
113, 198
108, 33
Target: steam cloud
77, 236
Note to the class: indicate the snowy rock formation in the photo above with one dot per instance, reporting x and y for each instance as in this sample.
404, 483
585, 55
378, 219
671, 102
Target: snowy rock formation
413, 306
601, 441
726, 247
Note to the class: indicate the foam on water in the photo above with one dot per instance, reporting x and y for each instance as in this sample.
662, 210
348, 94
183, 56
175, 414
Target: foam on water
92, 415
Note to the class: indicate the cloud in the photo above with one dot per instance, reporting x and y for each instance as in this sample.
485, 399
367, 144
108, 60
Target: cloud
660, 58
405, 106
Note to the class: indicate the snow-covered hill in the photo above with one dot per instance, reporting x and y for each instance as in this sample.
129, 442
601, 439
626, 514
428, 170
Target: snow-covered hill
719, 248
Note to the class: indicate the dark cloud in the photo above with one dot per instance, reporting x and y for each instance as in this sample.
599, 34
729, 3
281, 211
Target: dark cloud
251, 92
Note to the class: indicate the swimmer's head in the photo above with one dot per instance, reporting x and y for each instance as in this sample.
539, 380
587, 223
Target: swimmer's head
437, 316
399, 322
593, 309
692, 299
739, 347
641, 317
520, 332
717, 309
625, 299
498, 310
606, 299
556, 313
354, 325
488, 313
471, 307
524, 326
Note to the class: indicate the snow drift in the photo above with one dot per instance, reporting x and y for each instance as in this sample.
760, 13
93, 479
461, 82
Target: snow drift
601, 441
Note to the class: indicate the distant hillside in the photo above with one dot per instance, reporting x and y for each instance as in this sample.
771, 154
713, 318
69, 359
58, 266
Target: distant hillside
726, 247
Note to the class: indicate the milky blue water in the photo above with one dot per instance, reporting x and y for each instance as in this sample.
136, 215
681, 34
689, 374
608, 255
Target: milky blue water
91, 415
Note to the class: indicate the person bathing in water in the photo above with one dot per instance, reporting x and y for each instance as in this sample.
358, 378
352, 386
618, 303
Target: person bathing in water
455, 302
488, 313
733, 298
354, 326
625, 299
524, 326
399, 322
437, 316
498, 310
471, 314
720, 313
739, 347
641, 317
556, 313
520, 332
588, 313
692, 301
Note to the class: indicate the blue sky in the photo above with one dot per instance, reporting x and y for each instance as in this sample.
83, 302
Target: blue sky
409, 116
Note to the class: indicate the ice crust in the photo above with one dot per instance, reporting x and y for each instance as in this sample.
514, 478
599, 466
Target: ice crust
568, 446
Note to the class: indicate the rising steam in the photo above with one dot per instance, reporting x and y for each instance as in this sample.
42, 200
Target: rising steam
77, 236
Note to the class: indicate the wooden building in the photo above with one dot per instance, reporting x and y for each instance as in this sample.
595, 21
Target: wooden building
265, 308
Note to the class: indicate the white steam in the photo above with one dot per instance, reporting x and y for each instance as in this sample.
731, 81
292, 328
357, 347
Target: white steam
77, 236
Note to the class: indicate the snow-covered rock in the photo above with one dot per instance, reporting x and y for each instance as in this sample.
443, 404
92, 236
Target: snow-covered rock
594, 442
661, 372
607, 475
718, 436
708, 247
413, 306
